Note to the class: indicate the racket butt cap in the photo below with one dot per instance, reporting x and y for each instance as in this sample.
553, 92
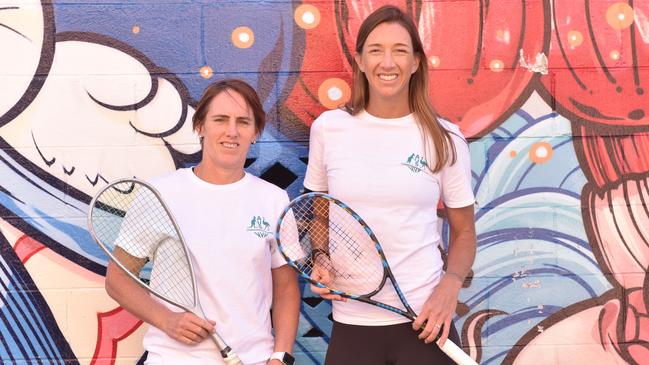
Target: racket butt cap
230, 357
457, 354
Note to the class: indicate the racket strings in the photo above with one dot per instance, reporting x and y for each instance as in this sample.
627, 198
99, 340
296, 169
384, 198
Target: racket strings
340, 235
131, 223
319, 235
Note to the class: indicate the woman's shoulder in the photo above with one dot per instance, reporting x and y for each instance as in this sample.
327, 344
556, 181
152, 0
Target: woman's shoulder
171, 184
170, 177
332, 120
452, 128
266, 188
332, 116
448, 125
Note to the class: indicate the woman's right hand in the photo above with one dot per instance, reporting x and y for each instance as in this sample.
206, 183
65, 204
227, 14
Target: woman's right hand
188, 328
323, 275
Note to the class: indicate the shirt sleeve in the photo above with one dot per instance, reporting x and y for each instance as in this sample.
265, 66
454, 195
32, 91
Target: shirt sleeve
456, 177
316, 171
137, 235
276, 258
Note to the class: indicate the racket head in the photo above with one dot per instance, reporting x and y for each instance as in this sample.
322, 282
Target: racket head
299, 238
131, 223
317, 232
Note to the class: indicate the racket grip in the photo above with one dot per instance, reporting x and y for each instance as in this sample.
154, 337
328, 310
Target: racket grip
456, 353
228, 355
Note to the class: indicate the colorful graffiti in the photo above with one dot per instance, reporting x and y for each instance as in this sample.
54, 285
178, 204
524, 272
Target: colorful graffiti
550, 94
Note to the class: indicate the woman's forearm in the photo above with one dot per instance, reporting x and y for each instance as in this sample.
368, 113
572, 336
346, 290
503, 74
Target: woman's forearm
132, 297
286, 307
462, 245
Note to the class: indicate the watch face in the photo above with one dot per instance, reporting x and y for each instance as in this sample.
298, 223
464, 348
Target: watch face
288, 359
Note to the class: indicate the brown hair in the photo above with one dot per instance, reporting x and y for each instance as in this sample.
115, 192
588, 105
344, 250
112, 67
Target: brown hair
242, 88
418, 97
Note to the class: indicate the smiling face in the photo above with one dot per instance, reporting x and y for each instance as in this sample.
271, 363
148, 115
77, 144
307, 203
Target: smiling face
227, 131
387, 60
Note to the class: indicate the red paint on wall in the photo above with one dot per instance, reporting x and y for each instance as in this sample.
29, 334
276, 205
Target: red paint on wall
26, 247
112, 327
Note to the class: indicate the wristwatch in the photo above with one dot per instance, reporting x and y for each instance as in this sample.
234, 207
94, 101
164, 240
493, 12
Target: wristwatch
284, 357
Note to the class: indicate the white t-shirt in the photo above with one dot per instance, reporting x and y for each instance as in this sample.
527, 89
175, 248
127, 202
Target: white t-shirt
377, 167
228, 230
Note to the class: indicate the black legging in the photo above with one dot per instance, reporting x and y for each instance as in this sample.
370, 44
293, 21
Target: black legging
383, 345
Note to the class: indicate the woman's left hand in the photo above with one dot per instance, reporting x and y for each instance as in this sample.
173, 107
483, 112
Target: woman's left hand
438, 310
275, 362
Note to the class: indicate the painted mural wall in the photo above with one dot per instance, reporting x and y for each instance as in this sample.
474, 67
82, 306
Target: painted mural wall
550, 93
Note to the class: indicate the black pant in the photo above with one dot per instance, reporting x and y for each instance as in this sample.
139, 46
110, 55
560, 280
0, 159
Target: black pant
383, 345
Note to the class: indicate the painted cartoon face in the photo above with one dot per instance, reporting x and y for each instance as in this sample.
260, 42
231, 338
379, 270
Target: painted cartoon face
388, 61
228, 131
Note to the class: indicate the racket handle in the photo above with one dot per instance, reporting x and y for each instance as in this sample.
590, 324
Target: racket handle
228, 355
456, 353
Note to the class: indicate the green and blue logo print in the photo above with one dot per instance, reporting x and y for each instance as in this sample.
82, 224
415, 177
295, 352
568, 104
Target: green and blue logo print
415, 163
259, 226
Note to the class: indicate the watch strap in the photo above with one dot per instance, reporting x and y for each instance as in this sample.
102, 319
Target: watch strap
285, 357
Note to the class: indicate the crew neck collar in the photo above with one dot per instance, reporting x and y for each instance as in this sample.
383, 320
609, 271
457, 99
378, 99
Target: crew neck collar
406, 119
233, 185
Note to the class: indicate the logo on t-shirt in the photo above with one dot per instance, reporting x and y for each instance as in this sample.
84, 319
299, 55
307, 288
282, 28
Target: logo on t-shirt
259, 226
415, 163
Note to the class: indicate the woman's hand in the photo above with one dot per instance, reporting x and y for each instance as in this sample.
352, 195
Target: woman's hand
438, 310
321, 273
187, 328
